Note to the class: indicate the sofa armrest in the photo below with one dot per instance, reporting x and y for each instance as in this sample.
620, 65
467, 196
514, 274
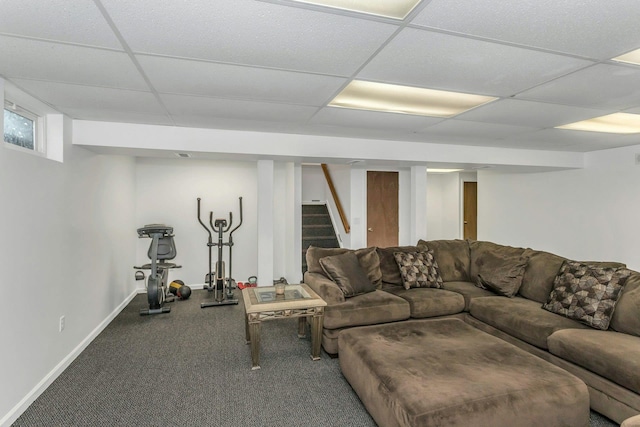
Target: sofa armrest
321, 285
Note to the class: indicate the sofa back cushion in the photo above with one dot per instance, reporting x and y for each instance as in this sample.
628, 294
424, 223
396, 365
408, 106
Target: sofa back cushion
452, 257
388, 265
368, 258
537, 281
626, 317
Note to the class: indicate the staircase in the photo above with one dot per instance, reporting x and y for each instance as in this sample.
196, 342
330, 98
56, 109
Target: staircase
317, 230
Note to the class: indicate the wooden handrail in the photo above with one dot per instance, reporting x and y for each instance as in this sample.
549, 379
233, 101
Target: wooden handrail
336, 199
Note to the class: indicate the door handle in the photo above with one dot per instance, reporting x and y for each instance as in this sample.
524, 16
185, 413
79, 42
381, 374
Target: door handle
369, 229
466, 222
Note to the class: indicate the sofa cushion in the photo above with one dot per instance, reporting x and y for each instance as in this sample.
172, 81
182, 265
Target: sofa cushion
452, 257
626, 317
430, 302
368, 258
505, 278
487, 257
389, 267
366, 309
418, 269
612, 355
468, 291
586, 293
345, 271
538, 277
520, 318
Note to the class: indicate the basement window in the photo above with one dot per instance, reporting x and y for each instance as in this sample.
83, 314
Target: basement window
22, 128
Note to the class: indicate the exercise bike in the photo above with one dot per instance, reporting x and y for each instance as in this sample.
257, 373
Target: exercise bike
162, 248
221, 287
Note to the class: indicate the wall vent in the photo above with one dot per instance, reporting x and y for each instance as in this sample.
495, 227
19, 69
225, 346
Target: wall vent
183, 155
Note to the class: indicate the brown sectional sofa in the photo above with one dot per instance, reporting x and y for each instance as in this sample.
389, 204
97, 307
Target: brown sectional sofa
608, 361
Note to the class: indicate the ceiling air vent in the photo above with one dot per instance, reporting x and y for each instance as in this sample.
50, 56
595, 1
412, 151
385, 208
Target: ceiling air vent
183, 155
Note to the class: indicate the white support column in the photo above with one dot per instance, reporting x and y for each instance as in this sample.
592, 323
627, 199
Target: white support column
265, 222
418, 203
294, 223
358, 208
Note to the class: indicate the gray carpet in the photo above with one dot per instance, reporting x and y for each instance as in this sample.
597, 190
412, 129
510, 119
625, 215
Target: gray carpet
191, 367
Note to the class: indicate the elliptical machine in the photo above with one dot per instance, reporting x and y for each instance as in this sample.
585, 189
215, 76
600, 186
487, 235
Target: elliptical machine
162, 248
221, 286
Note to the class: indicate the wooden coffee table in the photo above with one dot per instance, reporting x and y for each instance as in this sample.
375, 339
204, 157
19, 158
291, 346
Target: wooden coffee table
262, 303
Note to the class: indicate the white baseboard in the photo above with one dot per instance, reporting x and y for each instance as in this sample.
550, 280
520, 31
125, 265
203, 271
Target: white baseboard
22, 406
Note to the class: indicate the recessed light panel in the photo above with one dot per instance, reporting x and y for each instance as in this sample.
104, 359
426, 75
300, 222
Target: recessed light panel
611, 123
390, 98
632, 57
430, 170
395, 9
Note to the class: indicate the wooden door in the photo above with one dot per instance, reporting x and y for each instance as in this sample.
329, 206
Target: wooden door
470, 197
382, 209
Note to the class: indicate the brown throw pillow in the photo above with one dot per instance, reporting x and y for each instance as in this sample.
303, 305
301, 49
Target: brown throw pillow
587, 293
418, 269
345, 271
505, 279
368, 258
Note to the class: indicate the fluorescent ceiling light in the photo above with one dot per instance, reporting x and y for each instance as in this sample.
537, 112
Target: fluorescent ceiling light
430, 170
395, 9
611, 123
361, 95
632, 57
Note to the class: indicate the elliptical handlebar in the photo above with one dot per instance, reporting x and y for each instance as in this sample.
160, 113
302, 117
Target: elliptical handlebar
202, 223
237, 226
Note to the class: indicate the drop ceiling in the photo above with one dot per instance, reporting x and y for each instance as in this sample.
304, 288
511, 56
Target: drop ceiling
274, 66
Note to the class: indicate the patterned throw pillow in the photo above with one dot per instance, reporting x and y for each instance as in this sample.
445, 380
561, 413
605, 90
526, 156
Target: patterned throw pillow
587, 293
418, 269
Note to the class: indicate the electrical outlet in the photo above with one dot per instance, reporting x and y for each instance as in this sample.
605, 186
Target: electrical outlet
61, 326
637, 159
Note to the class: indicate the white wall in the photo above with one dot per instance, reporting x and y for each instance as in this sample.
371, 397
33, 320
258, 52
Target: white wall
435, 211
451, 208
589, 214
166, 192
313, 184
341, 177
66, 250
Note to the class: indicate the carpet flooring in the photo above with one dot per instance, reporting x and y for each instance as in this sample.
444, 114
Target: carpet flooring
191, 367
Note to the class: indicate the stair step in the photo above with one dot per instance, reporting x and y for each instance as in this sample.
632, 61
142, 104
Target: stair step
311, 209
317, 230
320, 238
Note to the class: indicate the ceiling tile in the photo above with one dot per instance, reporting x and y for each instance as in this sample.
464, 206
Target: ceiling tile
75, 22
607, 87
180, 76
180, 105
528, 113
439, 61
331, 116
90, 97
250, 32
570, 26
32, 59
